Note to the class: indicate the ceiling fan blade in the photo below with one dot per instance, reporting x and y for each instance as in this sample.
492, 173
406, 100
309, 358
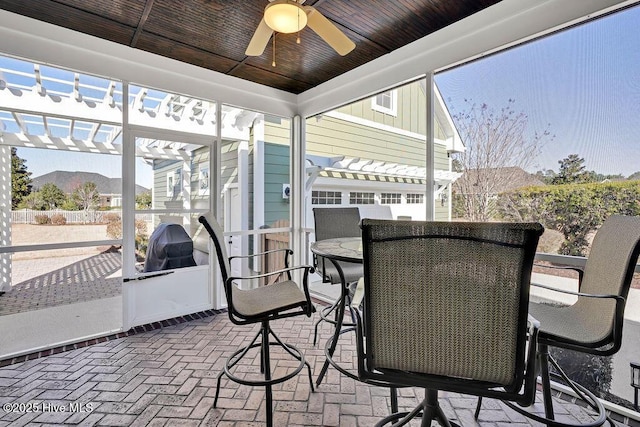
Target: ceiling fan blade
328, 31
259, 40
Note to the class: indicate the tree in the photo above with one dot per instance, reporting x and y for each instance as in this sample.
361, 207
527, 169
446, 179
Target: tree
572, 171
86, 196
143, 200
497, 144
52, 196
32, 201
546, 175
20, 179
634, 176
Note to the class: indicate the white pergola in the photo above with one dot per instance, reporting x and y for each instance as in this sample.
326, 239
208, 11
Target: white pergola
68, 115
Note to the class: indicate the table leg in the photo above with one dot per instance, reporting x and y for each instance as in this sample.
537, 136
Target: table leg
336, 334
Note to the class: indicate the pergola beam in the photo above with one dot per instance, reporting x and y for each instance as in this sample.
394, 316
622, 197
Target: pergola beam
86, 146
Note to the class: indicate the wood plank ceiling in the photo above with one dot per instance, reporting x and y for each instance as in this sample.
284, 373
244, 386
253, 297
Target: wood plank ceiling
215, 33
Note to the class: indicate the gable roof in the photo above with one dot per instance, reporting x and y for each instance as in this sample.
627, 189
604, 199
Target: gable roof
68, 181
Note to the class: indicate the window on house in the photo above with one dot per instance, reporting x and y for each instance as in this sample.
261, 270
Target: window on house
326, 197
203, 180
174, 180
415, 198
390, 198
359, 198
386, 102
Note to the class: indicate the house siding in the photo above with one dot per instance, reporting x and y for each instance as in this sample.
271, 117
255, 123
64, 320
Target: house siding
411, 111
276, 167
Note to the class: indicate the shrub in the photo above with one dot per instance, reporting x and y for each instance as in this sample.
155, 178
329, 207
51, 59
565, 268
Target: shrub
58, 219
114, 229
592, 372
575, 210
42, 219
111, 217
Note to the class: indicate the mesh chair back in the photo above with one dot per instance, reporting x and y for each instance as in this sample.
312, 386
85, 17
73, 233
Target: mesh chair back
331, 223
448, 299
608, 271
215, 232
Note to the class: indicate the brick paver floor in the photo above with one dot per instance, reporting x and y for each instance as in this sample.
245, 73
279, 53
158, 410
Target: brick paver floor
167, 377
54, 281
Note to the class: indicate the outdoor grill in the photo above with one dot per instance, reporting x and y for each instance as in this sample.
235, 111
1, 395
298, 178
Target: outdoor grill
169, 247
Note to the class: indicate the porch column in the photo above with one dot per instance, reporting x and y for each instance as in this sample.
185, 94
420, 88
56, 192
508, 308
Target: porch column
243, 189
258, 185
430, 203
296, 204
187, 164
5, 216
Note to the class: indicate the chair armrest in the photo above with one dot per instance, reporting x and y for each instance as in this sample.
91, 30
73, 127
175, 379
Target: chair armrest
287, 252
308, 269
565, 267
531, 374
618, 298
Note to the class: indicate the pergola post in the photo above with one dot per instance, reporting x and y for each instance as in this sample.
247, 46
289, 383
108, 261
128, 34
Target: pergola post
5, 216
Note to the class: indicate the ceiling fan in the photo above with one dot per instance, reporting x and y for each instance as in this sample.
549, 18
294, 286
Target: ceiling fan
289, 16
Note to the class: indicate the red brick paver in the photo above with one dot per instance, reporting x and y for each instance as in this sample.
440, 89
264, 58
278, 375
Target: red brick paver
167, 377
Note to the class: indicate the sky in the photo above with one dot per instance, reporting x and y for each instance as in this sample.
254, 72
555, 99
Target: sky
584, 82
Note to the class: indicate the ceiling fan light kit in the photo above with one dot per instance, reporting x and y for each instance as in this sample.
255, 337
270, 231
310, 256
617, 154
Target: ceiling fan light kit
289, 16
284, 16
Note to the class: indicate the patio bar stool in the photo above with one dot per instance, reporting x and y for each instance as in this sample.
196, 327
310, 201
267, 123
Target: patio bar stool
332, 223
593, 324
261, 305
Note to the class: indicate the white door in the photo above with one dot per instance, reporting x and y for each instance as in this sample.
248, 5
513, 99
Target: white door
171, 176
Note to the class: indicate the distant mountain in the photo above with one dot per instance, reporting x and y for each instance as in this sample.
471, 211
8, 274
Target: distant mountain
68, 181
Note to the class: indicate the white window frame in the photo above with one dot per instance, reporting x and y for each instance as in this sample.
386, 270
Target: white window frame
362, 198
203, 180
390, 198
174, 182
393, 100
415, 198
170, 183
321, 197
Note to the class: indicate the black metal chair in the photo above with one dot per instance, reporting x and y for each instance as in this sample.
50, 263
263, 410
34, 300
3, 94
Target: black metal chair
331, 223
261, 305
593, 324
445, 308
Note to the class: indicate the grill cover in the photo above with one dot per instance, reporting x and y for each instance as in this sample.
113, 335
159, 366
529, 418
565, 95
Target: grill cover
169, 247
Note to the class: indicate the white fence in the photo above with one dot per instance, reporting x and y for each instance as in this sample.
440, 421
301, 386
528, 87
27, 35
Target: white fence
28, 216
